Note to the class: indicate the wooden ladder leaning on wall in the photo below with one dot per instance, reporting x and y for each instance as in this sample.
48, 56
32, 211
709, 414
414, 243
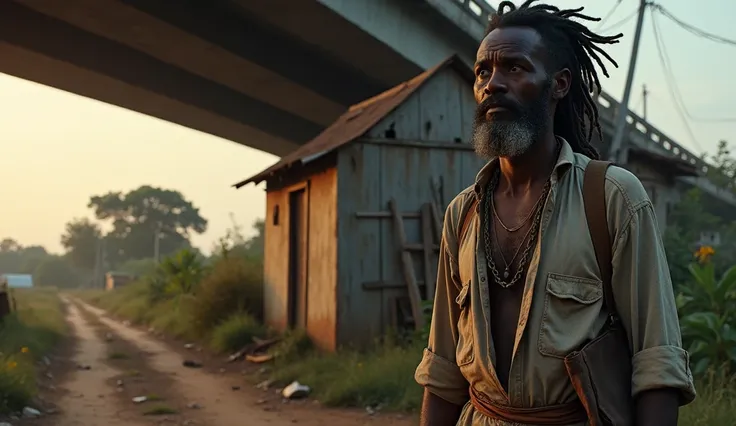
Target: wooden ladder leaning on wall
431, 234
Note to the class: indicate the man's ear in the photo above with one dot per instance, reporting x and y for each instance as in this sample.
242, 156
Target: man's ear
561, 84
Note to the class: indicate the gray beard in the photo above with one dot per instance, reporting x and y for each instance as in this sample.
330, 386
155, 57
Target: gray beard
503, 139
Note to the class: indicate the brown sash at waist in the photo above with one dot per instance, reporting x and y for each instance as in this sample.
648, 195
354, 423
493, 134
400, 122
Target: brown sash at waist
552, 415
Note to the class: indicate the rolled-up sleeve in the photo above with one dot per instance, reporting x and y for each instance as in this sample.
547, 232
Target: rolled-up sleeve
646, 303
438, 371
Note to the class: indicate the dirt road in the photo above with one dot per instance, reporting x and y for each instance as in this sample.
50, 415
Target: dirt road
86, 401
125, 361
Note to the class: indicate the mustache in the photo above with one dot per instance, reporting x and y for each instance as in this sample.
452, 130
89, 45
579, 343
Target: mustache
495, 102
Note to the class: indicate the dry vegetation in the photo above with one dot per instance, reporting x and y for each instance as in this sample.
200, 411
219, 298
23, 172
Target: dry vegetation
210, 314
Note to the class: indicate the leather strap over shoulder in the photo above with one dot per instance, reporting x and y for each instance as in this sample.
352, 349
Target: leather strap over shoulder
466, 220
594, 198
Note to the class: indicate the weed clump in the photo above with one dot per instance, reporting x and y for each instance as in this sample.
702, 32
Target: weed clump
234, 285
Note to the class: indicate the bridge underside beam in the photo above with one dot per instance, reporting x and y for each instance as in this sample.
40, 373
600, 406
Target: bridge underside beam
217, 67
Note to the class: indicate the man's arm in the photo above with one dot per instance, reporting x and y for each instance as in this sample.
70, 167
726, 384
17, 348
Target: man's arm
438, 412
446, 390
661, 377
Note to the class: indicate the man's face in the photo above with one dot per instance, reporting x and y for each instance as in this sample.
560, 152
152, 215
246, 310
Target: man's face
513, 91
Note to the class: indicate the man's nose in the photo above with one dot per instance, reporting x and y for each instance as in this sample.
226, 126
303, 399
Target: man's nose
495, 84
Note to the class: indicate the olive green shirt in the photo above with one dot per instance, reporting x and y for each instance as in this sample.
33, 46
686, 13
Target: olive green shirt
562, 302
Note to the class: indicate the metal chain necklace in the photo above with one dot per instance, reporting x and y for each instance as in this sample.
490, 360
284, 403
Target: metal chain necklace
523, 222
488, 216
530, 237
500, 250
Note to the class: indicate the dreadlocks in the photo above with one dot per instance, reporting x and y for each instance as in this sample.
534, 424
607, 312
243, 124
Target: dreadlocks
571, 45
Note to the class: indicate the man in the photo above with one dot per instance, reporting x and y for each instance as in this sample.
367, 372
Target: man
521, 289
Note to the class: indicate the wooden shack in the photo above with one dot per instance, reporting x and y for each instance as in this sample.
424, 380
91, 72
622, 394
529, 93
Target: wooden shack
115, 280
353, 216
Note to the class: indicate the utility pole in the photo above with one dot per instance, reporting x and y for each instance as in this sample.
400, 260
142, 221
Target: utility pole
617, 152
156, 242
644, 94
96, 275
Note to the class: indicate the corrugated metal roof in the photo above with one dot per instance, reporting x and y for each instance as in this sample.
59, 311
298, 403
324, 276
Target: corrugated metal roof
358, 119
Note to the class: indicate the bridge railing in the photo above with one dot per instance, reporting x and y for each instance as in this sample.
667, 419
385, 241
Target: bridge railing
478, 8
608, 106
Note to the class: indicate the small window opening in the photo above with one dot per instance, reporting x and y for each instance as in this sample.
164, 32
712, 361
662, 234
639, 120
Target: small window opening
275, 219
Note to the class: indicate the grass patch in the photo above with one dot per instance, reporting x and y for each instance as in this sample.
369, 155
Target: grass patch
119, 355
160, 410
350, 378
25, 336
235, 332
132, 373
715, 404
132, 302
385, 376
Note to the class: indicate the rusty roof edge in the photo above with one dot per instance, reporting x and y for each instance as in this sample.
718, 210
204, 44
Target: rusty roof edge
453, 61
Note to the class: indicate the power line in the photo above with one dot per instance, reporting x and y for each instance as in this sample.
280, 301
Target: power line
608, 15
626, 19
693, 29
671, 82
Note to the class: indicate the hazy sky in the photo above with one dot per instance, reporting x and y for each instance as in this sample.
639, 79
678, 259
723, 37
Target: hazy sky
57, 148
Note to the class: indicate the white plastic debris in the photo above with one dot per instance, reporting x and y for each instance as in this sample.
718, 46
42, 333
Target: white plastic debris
31, 413
295, 390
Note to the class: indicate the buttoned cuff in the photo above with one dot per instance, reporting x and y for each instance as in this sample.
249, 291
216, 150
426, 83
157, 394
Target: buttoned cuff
663, 367
442, 377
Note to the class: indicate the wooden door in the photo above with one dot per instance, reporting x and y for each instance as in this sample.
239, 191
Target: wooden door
298, 258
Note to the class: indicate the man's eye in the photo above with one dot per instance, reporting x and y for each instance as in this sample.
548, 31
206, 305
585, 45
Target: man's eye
515, 68
483, 73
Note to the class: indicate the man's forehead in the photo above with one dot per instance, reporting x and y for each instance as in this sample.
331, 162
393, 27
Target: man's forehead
520, 40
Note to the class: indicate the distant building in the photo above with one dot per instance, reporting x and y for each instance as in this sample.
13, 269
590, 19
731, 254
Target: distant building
115, 280
17, 280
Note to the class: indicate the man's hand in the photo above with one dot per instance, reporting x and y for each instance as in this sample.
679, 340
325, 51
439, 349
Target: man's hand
438, 412
657, 407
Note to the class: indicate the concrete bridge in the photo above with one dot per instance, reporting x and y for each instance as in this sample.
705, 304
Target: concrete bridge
267, 74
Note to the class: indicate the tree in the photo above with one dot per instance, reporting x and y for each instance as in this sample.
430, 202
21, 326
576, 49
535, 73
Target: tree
55, 271
137, 216
723, 170
16, 259
81, 240
8, 245
256, 243
234, 243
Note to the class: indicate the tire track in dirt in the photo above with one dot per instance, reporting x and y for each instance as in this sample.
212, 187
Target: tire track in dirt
163, 404
220, 404
86, 401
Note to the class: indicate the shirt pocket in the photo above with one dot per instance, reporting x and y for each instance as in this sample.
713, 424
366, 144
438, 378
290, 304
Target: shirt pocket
464, 353
572, 307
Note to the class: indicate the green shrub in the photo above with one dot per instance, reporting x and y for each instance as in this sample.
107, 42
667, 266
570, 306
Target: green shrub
17, 383
182, 272
707, 308
173, 316
235, 332
25, 336
293, 344
234, 285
